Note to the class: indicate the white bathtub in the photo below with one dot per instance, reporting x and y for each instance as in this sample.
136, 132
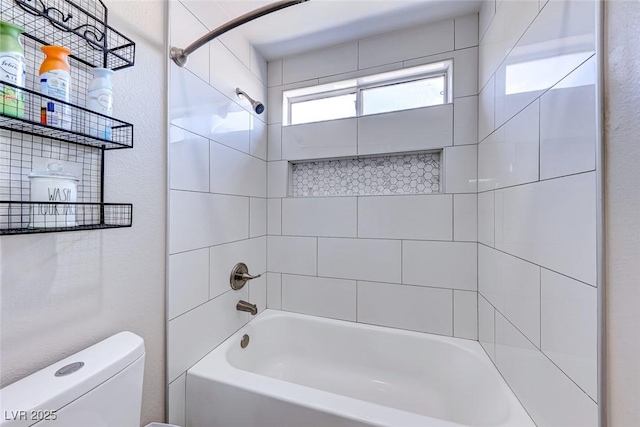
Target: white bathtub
304, 371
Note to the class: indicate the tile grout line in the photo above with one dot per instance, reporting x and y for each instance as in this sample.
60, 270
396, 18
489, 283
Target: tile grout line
537, 182
357, 217
515, 44
539, 350
401, 62
540, 306
453, 313
209, 260
494, 217
496, 127
215, 194
280, 274
357, 286
376, 324
495, 345
373, 238
200, 305
216, 245
209, 148
495, 363
281, 216
402, 261
370, 280
453, 218
537, 265
539, 137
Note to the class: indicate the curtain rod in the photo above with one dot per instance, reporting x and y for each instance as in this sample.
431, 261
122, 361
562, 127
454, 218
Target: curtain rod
180, 56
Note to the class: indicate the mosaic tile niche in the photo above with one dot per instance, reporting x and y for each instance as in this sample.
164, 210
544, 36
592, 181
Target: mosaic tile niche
415, 173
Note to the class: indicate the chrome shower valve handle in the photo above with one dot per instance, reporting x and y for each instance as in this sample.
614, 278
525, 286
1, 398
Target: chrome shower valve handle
240, 275
245, 276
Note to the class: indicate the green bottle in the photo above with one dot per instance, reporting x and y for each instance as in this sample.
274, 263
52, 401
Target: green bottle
12, 70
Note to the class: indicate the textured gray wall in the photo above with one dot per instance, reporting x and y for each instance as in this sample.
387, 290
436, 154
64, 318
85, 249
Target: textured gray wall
622, 194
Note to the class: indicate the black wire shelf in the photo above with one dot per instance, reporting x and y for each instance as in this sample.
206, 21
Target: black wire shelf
80, 25
85, 127
37, 131
51, 217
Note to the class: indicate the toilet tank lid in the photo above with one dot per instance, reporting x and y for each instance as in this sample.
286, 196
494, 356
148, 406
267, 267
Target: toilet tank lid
44, 390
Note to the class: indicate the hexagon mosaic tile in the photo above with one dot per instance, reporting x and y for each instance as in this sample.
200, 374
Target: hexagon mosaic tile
417, 173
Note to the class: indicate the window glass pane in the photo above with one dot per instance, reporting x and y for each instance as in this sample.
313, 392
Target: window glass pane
315, 110
403, 96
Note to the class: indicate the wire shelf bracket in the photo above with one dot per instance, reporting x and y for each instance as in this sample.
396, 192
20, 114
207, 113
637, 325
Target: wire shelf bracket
80, 25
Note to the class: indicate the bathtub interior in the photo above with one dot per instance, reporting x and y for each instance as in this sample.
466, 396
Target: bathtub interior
438, 377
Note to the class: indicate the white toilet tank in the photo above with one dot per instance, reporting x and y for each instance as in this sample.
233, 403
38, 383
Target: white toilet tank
100, 386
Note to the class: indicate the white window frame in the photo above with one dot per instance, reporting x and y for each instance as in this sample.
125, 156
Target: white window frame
357, 86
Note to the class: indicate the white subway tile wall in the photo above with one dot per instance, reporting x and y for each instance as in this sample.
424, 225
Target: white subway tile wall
387, 304
365, 199
509, 156
512, 286
257, 217
188, 281
405, 217
360, 259
505, 253
569, 326
218, 206
176, 400
465, 309
536, 205
450, 265
466, 32
465, 217
409, 130
465, 120
319, 296
258, 293
549, 395
401, 45
325, 62
486, 218
486, 109
274, 291
295, 255
486, 326
193, 334
567, 124
326, 217
333, 138
461, 169
189, 168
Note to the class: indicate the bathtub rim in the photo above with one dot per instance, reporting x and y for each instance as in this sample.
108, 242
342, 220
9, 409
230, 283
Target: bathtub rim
337, 404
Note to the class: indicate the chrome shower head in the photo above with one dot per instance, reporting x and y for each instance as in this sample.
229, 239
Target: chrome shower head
258, 106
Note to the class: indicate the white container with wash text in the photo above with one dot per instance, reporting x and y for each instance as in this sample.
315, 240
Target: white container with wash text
53, 185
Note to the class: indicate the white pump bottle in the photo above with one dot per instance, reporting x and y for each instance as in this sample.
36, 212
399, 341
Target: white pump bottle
100, 100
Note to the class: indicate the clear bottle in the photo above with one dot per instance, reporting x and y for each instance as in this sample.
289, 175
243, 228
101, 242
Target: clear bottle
12, 70
55, 82
100, 100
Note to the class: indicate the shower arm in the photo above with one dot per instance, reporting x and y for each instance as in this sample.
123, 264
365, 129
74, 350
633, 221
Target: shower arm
180, 56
